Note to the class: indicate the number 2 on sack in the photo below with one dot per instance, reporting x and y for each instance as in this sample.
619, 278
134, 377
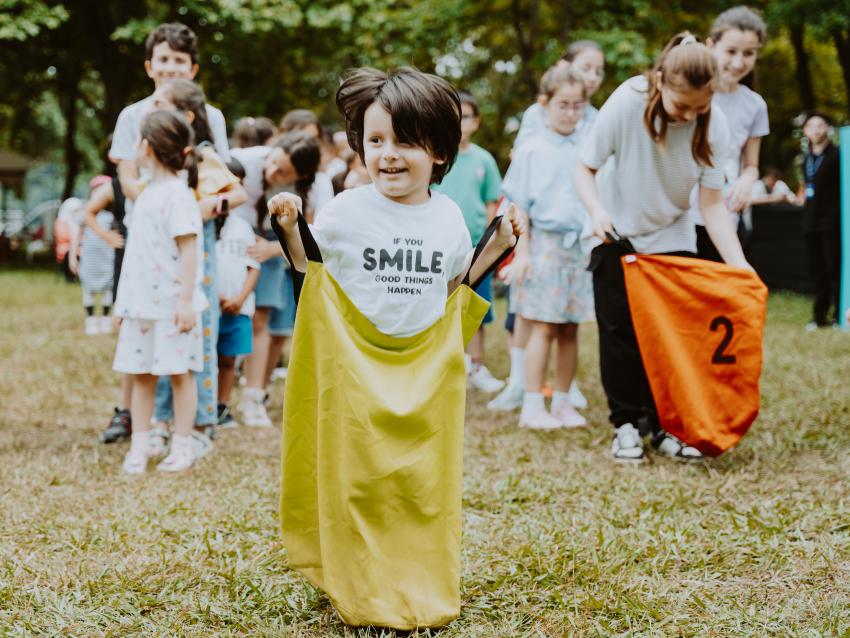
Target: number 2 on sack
720, 355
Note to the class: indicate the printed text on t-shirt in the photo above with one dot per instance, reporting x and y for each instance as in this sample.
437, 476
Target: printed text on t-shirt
405, 268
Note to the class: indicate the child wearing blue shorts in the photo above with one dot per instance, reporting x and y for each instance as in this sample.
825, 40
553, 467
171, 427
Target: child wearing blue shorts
237, 277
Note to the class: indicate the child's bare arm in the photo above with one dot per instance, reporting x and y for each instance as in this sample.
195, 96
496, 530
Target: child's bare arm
233, 306
235, 195
286, 206
100, 199
184, 319
512, 226
128, 176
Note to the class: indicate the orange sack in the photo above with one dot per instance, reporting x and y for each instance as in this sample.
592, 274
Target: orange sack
699, 327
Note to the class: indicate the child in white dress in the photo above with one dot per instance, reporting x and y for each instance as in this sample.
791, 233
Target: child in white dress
159, 294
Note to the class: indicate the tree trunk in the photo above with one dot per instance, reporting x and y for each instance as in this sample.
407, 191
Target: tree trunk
68, 98
804, 73
525, 42
842, 46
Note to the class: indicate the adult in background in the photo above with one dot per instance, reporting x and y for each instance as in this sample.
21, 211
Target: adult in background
822, 218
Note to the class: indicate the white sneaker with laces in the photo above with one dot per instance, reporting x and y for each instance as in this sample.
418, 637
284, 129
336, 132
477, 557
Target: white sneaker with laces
576, 398
480, 378
92, 326
254, 414
628, 445
508, 399
539, 420
568, 416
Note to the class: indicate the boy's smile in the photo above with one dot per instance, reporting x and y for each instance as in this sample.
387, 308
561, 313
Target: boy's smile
401, 172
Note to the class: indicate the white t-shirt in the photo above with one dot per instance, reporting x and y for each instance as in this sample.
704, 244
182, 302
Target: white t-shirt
746, 116
253, 160
646, 187
233, 262
760, 190
128, 128
392, 260
321, 193
149, 287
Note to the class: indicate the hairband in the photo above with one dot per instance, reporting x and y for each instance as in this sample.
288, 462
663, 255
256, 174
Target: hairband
688, 39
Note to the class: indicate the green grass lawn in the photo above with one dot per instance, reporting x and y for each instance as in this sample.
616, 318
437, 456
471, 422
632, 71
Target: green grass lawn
558, 541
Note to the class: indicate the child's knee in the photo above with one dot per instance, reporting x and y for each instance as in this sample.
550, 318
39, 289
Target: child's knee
226, 363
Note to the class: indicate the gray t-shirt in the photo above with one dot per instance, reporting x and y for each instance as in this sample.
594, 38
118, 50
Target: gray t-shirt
126, 134
645, 187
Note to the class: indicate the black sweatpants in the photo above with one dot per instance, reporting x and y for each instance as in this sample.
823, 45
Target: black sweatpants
623, 376
824, 253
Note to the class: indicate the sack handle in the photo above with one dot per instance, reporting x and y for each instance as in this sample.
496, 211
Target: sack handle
311, 251
485, 238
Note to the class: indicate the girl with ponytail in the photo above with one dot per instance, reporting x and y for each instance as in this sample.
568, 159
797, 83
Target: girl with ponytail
291, 165
655, 140
216, 190
160, 299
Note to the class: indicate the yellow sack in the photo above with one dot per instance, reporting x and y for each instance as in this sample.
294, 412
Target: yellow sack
372, 457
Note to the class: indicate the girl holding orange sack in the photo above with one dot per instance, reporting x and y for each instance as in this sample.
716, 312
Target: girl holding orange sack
655, 139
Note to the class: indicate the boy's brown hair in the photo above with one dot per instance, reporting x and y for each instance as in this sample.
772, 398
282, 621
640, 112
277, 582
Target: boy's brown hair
178, 36
425, 111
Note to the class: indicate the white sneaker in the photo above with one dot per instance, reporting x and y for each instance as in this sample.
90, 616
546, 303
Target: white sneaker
134, 463
480, 378
539, 420
201, 444
180, 457
254, 414
105, 324
628, 445
278, 374
158, 440
92, 326
508, 399
576, 398
677, 449
569, 417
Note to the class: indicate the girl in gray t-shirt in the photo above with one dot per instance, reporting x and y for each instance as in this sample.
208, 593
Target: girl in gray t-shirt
656, 138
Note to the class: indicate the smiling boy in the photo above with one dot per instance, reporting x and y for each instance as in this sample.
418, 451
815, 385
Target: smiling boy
171, 52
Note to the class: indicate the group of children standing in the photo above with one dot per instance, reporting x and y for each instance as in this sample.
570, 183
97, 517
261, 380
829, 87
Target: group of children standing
657, 137
218, 243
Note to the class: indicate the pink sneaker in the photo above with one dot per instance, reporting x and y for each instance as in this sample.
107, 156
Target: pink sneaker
539, 420
569, 416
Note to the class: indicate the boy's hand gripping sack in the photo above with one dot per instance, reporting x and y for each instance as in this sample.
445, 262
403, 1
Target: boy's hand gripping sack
699, 327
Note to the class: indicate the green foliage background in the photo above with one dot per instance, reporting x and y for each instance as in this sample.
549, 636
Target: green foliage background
68, 67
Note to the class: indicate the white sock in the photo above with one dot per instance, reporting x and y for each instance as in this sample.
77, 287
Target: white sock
139, 443
533, 402
517, 376
469, 367
559, 399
